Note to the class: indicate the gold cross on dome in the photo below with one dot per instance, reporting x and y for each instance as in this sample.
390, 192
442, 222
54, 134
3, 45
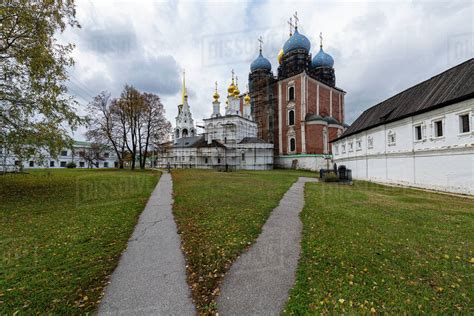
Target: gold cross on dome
216, 85
290, 22
321, 39
260, 39
296, 18
232, 75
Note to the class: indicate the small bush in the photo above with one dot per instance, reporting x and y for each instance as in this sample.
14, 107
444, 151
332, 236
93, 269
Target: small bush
330, 177
71, 165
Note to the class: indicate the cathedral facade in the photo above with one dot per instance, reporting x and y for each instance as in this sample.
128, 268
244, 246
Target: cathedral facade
229, 140
299, 109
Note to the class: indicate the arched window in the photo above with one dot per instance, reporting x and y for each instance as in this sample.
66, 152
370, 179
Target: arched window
177, 133
291, 93
185, 133
292, 144
291, 117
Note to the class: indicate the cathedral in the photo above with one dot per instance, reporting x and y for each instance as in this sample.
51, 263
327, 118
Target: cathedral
299, 109
229, 140
286, 119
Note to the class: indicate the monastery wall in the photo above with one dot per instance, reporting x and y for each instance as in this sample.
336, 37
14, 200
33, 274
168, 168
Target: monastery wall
391, 153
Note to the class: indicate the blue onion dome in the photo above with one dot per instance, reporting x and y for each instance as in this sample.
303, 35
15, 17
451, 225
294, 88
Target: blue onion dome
260, 63
322, 59
297, 41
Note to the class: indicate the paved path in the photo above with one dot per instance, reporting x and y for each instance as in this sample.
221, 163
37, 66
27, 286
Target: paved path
150, 278
258, 283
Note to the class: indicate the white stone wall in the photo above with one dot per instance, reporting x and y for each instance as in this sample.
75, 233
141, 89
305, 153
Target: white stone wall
252, 156
305, 162
442, 163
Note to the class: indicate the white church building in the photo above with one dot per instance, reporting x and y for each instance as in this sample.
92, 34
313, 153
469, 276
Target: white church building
229, 140
421, 137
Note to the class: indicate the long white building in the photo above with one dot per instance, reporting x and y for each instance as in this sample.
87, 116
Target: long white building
421, 137
78, 155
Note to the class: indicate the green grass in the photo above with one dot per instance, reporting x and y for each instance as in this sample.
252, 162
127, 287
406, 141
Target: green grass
370, 248
219, 215
61, 234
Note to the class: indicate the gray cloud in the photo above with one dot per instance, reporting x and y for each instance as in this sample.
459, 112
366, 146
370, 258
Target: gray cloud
380, 48
156, 74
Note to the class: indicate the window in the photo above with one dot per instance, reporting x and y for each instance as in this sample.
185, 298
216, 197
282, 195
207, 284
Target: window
343, 149
64, 153
464, 126
291, 117
243, 156
218, 160
81, 164
292, 144
17, 162
358, 144
106, 155
205, 160
336, 149
106, 164
32, 163
62, 164
291, 93
438, 128
391, 138
351, 146
418, 133
370, 142
51, 163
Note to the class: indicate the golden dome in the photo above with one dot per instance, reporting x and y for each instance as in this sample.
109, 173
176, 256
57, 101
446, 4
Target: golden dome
280, 55
236, 91
216, 95
231, 88
247, 99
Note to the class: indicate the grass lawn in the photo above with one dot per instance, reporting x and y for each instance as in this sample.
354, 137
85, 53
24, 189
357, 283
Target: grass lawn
61, 234
220, 214
369, 248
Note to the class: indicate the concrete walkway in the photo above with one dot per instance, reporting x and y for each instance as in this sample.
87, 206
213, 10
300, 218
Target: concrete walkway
258, 283
150, 278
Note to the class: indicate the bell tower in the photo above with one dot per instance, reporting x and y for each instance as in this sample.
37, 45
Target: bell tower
184, 120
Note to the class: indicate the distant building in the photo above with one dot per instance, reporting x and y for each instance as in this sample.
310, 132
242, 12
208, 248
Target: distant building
422, 137
77, 154
229, 141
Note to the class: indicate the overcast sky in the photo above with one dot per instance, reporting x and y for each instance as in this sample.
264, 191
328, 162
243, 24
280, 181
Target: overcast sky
379, 47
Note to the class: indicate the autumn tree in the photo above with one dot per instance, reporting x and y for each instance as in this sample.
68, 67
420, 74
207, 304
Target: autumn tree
131, 124
107, 125
34, 106
153, 127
